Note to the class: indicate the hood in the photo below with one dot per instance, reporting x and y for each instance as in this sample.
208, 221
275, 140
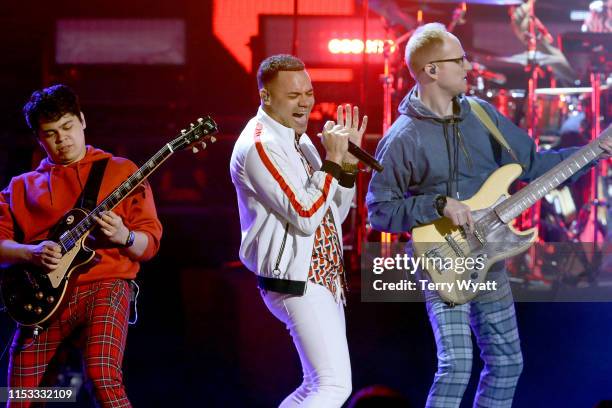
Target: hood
412, 106
92, 154
52, 171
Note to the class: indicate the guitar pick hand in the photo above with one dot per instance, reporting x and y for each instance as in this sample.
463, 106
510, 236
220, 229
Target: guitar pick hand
46, 254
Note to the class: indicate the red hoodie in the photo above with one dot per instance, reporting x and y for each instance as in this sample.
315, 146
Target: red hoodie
38, 199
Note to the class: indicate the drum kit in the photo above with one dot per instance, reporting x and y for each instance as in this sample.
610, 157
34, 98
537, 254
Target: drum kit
554, 117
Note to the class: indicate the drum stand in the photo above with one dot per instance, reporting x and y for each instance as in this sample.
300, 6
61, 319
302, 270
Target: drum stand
531, 217
388, 79
600, 170
594, 229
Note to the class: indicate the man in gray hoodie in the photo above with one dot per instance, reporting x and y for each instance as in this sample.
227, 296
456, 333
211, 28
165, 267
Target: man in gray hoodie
436, 154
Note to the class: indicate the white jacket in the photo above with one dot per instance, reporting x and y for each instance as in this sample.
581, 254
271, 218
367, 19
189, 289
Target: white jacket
280, 205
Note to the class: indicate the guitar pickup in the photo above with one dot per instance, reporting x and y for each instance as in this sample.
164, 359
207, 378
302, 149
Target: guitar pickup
62, 239
480, 237
454, 245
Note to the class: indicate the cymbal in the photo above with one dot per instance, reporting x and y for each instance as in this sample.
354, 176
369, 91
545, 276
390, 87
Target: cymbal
567, 91
523, 58
483, 2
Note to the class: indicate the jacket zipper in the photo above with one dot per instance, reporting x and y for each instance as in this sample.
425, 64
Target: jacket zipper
276, 271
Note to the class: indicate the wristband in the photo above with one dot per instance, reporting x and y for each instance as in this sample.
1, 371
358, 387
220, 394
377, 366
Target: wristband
130, 240
439, 204
352, 168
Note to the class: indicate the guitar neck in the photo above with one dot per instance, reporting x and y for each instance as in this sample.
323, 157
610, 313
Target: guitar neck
511, 208
69, 238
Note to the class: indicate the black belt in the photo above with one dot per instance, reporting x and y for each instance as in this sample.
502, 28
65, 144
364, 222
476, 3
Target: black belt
287, 286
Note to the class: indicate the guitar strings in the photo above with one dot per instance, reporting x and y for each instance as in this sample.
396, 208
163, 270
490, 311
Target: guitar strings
523, 195
85, 224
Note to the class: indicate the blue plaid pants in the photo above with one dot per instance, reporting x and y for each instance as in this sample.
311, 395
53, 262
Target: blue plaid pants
492, 318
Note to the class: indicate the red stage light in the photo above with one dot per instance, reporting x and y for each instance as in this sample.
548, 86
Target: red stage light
331, 74
236, 21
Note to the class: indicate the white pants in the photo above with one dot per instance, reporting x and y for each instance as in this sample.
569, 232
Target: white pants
316, 323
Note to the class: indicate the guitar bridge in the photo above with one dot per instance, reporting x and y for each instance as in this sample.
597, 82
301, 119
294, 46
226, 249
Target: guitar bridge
434, 254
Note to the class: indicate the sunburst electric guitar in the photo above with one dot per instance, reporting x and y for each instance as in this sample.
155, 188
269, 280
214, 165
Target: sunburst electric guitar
456, 260
33, 295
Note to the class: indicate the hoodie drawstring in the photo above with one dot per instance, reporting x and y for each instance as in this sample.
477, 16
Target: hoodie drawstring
453, 157
450, 168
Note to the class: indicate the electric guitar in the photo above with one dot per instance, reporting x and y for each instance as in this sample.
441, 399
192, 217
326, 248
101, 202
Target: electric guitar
33, 295
457, 260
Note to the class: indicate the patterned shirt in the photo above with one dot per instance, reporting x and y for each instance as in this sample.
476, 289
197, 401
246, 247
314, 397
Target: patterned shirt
326, 265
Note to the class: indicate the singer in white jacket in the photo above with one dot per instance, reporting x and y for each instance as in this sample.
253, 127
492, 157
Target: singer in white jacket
291, 208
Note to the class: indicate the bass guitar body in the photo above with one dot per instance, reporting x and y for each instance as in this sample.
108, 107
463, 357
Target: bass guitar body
458, 261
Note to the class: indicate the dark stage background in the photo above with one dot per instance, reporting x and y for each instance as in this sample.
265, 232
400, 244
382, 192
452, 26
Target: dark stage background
204, 337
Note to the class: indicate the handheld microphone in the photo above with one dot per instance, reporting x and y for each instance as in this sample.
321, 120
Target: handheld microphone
364, 157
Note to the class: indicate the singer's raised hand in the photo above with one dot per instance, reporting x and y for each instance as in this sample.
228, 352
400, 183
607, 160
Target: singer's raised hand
335, 141
350, 121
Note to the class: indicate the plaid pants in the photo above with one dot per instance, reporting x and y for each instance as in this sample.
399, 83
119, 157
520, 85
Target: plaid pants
493, 320
100, 312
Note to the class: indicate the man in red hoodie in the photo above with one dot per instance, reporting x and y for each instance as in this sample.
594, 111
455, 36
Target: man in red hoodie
32, 204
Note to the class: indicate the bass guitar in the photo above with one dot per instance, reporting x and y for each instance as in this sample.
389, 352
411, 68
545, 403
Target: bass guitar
456, 260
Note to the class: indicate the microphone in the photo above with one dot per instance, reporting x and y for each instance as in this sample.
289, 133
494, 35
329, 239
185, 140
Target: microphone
364, 157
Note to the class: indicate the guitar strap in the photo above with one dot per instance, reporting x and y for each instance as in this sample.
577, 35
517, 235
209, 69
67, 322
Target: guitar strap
485, 119
88, 201
89, 197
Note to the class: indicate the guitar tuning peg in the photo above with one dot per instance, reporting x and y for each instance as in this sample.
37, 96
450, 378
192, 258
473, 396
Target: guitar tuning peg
192, 125
194, 149
213, 139
203, 145
183, 131
200, 121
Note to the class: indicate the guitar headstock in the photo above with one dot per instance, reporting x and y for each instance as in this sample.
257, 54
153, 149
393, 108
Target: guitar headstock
198, 134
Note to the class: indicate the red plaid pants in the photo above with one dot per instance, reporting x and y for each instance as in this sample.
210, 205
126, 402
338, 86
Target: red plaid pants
100, 311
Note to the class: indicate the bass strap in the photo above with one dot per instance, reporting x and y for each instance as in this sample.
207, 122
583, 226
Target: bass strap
485, 119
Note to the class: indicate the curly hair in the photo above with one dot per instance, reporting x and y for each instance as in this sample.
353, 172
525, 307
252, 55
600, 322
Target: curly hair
50, 104
271, 66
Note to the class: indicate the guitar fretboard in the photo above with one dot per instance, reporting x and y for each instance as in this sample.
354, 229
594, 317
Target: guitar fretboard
513, 207
71, 237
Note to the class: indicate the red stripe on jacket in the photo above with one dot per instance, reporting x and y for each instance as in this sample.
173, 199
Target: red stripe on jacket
303, 212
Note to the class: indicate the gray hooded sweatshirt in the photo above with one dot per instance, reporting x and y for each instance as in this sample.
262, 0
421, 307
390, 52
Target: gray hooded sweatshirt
424, 156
